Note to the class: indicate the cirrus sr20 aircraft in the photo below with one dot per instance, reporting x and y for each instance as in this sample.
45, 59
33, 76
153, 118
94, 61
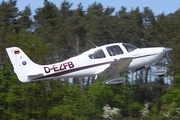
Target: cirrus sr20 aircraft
107, 60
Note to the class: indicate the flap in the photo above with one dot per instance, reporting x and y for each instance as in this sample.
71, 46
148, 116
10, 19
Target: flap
116, 66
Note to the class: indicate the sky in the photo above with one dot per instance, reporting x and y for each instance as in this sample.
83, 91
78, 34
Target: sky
157, 6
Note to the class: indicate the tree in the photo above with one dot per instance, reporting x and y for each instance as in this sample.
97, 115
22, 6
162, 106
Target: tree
24, 21
47, 28
7, 79
130, 26
9, 14
171, 106
120, 97
99, 27
74, 103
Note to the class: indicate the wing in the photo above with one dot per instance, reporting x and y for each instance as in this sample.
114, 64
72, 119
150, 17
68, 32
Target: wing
116, 66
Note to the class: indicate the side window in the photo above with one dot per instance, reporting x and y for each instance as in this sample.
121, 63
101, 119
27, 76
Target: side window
129, 47
97, 54
114, 50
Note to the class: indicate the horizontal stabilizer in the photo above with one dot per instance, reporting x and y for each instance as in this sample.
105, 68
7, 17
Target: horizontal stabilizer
114, 81
35, 76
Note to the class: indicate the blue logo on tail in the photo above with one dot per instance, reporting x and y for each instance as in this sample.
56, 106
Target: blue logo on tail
24, 63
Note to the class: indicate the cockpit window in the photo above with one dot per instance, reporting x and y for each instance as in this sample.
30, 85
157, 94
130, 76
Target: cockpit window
114, 50
97, 54
129, 47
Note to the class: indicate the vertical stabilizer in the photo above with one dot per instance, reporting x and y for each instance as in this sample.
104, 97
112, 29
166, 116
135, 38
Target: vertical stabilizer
23, 66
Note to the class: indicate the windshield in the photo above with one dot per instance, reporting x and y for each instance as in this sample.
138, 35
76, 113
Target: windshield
129, 47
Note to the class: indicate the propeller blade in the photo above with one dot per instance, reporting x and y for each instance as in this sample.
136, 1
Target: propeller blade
167, 49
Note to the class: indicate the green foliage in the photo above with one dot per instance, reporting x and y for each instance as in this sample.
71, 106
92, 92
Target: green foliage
134, 108
154, 113
173, 94
7, 79
33, 46
118, 96
74, 104
171, 106
171, 111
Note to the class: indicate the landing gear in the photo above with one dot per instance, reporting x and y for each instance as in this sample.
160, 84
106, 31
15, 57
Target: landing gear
115, 81
160, 72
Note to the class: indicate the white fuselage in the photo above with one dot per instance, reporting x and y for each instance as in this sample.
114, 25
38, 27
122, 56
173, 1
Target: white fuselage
94, 61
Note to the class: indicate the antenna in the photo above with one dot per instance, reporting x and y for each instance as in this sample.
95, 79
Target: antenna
93, 43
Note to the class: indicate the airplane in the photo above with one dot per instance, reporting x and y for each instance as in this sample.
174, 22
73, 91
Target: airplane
107, 60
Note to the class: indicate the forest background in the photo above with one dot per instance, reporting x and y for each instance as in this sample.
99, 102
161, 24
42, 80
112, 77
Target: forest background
57, 33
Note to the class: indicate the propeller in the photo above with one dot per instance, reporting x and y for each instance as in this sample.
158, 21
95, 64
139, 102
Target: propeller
162, 71
166, 49
166, 53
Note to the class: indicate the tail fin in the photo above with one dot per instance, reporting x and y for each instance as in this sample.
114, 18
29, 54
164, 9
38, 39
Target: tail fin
25, 69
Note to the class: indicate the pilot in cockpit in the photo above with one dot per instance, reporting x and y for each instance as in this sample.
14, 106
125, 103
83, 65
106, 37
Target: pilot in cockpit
113, 51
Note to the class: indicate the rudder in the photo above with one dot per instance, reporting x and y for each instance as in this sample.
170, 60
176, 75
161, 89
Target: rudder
23, 66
